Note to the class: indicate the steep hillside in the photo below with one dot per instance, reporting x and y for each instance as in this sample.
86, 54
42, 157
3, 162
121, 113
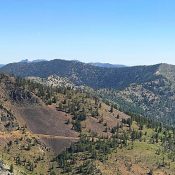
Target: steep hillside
22, 151
77, 108
37, 119
111, 142
167, 71
49, 129
32, 112
154, 99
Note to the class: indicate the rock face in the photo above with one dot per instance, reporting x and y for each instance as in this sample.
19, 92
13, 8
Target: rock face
4, 170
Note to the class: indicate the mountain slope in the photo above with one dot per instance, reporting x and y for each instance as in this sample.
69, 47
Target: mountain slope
31, 111
87, 135
50, 117
153, 98
110, 142
20, 148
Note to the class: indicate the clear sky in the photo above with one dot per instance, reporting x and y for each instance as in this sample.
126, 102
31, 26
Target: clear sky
130, 32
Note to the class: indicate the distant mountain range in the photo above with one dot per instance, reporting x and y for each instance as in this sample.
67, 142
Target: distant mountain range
107, 65
27, 61
34, 61
82, 73
147, 90
98, 64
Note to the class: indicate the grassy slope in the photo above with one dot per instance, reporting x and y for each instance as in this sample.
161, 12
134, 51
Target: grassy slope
137, 158
37, 156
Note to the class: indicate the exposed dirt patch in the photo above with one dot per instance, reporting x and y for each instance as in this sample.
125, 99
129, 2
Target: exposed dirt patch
49, 125
106, 120
58, 144
93, 125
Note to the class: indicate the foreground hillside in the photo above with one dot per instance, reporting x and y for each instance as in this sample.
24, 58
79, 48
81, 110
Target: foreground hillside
51, 126
22, 151
111, 142
38, 122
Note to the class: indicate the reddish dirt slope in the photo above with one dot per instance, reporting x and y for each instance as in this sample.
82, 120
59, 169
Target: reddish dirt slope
49, 125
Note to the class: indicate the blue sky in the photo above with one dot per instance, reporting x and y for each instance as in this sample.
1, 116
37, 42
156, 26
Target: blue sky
131, 32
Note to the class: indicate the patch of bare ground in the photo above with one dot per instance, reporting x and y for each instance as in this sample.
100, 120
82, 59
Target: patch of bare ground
106, 120
58, 144
4, 140
49, 125
92, 124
